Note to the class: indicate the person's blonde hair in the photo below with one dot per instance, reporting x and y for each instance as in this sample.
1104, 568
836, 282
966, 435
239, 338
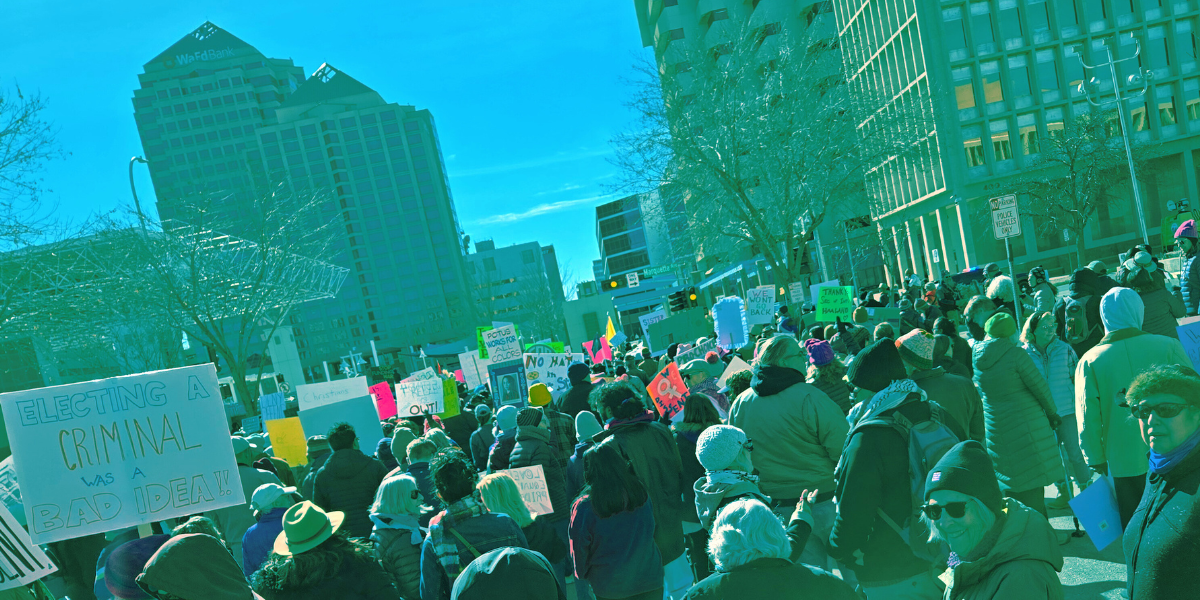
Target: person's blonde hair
780, 351
1031, 325
398, 495
501, 495
421, 449
746, 530
439, 438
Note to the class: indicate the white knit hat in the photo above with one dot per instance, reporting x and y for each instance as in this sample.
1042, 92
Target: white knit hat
719, 445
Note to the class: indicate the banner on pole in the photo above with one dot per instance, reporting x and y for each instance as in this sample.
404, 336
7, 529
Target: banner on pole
422, 397
385, 403
22, 561
288, 441
550, 369
534, 492
760, 305
502, 344
313, 395
271, 406
668, 391
834, 302
114, 453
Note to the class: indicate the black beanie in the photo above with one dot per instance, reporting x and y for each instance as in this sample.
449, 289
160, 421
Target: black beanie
876, 366
966, 469
529, 417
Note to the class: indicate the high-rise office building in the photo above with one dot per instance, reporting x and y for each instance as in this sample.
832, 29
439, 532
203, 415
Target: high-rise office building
519, 284
998, 79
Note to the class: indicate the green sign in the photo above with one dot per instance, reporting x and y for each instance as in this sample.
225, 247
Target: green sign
835, 301
479, 339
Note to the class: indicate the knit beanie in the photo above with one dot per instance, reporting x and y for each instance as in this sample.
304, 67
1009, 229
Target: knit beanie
578, 372
1187, 229
819, 352
718, 446
539, 395
401, 438
126, 562
529, 417
1001, 325
966, 469
586, 425
860, 315
906, 304
483, 412
506, 418
876, 367
916, 348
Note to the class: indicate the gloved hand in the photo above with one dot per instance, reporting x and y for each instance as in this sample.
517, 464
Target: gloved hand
1055, 420
1101, 468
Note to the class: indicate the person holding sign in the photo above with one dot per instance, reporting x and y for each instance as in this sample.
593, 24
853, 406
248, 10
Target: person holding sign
533, 448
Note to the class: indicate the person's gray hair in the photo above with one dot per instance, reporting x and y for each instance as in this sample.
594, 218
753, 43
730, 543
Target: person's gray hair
746, 530
989, 519
781, 351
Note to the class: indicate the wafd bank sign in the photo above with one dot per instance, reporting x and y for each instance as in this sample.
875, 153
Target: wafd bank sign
191, 57
114, 453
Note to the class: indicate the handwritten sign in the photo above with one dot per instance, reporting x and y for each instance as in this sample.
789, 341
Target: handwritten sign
667, 390
422, 397
651, 318
114, 453
271, 406
22, 561
474, 369
796, 292
449, 399
550, 369
423, 374
835, 301
534, 492
479, 331
313, 395
288, 441
502, 344
385, 403
10, 491
729, 321
813, 289
760, 305
252, 424
696, 351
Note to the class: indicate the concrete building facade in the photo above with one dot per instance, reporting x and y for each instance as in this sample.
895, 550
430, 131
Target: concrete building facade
518, 284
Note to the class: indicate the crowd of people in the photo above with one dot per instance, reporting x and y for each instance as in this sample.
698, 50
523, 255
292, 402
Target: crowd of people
853, 460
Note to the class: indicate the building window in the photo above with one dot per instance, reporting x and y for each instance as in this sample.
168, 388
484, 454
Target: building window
1138, 117
1018, 76
1001, 145
964, 88
990, 74
489, 264
1166, 112
1047, 72
973, 147
956, 37
981, 27
527, 257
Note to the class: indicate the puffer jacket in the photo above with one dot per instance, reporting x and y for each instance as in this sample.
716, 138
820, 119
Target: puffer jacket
1190, 286
1016, 409
397, 540
837, 390
798, 432
481, 441
196, 565
347, 483
1159, 543
1021, 560
1163, 311
957, 395
1057, 365
533, 448
501, 449
233, 522
308, 474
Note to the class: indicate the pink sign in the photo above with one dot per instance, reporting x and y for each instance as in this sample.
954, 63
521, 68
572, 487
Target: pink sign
458, 374
385, 404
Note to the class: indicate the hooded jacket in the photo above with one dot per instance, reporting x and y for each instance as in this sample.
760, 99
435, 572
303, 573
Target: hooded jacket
260, 539
1016, 409
717, 488
1108, 433
1057, 365
958, 395
508, 574
310, 474
1159, 543
396, 540
798, 432
347, 483
1163, 311
196, 567
482, 440
1022, 560
1084, 282
501, 449
576, 397
420, 472
533, 448
234, 521
574, 473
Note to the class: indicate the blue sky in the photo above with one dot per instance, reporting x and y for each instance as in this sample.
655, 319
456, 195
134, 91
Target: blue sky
526, 94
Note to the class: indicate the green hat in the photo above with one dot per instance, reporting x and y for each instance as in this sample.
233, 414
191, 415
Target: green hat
305, 526
1001, 325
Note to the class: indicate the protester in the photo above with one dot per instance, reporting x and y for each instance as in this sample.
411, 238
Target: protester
560, 425
979, 309
1189, 281
1159, 542
576, 397
461, 532
508, 574
827, 373
420, 452
533, 448
960, 349
943, 359
648, 365
947, 295
506, 439
199, 524
613, 537
1109, 439
698, 415
483, 438
1020, 414
650, 449
501, 495
1163, 309
1000, 288
884, 330
396, 535
194, 567
318, 451
586, 426
268, 502
999, 548
401, 438
383, 449
313, 559
234, 521
1044, 292
126, 562
348, 480
439, 438
1078, 314
700, 376
737, 383
799, 433
957, 395
751, 551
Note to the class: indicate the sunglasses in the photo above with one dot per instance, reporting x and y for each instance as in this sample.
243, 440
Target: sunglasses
1164, 411
956, 510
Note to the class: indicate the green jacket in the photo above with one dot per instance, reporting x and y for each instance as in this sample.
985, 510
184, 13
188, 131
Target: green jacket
1021, 562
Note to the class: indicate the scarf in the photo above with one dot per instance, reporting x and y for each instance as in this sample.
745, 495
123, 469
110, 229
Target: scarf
984, 546
891, 397
404, 522
730, 477
445, 546
1162, 464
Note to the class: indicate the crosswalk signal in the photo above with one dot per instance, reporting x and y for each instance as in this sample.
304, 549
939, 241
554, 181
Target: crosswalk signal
678, 301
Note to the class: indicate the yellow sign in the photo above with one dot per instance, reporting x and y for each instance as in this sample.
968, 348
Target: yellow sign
288, 441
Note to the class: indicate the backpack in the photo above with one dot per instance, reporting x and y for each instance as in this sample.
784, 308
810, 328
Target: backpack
928, 442
1076, 328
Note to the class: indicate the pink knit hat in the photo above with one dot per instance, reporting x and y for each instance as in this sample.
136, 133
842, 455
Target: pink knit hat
1188, 229
916, 348
820, 353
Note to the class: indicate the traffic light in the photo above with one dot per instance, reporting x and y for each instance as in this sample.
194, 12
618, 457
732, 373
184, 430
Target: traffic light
613, 283
693, 297
678, 301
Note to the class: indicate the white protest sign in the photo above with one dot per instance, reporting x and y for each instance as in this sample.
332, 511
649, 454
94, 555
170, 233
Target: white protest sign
421, 397
252, 424
760, 305
796, 292
114, 453
475, 369
696, 351
735, 365
814, 289
21, 562
313, 395
649, 319
10, 492
534, 492
502, 344
422, 375
550, 369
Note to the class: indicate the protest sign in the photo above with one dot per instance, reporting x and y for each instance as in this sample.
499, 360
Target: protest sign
422, 397
1096, 508
729, 321
1189, 336
114, 453
834, 302
598, 350
813, 289
550, 369
796, 292
422, 375
288, 441
651, 318
532, 483
22, 562
358, 412
474, 369
735, 365
479, 331
10, 491
760, 305
667, 390
696, 351
271, 406
459, 377
502, 344
552, 347
449, 399
507, 383
385, 403
252, 424
313, 395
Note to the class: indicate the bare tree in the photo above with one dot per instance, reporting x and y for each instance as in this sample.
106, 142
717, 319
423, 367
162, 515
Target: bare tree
27, 143
545, 319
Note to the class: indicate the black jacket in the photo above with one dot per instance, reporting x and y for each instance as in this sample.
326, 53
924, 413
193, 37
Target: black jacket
508, 574
533, 448
481, 441
543, 539
1160, 544
501, 449
576, 398
347, 483
310, 474
357, 579
574, 472
1084, 282
686, 435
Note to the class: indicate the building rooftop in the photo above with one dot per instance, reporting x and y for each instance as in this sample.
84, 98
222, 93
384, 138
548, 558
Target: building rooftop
205, 38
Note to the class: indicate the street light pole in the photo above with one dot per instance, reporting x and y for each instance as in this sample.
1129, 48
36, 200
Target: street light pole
136, 203
1145, 77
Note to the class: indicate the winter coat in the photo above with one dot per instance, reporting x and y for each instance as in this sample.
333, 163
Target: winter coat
958, 395
574, 472
357, 578
383, 454
396, 540
798, 432
655, 458
952, 367
1016, 405
960, 351
484, 532
260, 540
1020, 561
1160, 544
234, 521
617, 554
420, 472
714, 490
501, 449
1190, 285
460, 427
508, 574
310, 474
772, 578
533, 448
910, 319
1057, 365
576, 398
544, 540
1084, 282
481, 442
836, 389
1162, 312
347, 483
1043, 299
197, 566
686, 435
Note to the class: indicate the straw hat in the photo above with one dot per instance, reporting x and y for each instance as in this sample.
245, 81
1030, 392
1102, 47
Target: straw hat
305, 526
